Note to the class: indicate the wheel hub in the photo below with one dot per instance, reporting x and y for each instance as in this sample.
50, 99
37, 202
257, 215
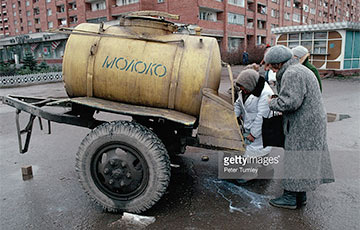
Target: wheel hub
120, 171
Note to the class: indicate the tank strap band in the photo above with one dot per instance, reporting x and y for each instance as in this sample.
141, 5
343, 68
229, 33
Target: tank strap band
90, 68
175, 75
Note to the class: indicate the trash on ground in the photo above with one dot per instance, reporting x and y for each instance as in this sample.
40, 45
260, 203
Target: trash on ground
174, 165
27, 173
204, 158
133, 220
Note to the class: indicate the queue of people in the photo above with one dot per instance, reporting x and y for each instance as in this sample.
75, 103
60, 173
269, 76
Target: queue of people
307, 161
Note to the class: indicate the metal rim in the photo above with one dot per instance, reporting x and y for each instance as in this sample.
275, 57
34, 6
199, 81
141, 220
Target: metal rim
119, 170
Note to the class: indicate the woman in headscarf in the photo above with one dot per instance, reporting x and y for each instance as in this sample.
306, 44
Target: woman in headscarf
307, 161
301, 53
252, 106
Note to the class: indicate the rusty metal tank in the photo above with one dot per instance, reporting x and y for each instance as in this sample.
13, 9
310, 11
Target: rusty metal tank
141, 61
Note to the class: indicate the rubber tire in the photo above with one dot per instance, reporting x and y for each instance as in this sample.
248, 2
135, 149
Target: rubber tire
148, 144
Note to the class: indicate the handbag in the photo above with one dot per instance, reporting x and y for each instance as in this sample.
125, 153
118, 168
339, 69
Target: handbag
272, 131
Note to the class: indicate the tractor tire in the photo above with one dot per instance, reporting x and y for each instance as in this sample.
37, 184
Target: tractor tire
123, 166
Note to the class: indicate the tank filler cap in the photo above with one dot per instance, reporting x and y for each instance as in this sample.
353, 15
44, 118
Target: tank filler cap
154, 19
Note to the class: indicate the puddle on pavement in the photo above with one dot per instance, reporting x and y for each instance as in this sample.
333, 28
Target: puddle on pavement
240, 199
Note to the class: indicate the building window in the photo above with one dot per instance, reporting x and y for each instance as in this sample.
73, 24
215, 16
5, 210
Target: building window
274, 13
14, 14
73, 19
125, 2
262, 9
306, 36
50, 25
28, 13
161, 1
296, 18
15, 22
240, 3
62, 22
306, 8
36, 11
208, 16
37, 20
261, 24
260, 40
237, 19
14, 6
288, 3
287, 16
320, 35
29, 23
352, 50
72, 5
27, 3
98, 6
234, 43
49, 12
312, 11
319, 47
48, 1
250, 23
60, 9
304, 19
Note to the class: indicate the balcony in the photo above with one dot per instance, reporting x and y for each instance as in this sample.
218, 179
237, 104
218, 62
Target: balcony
250, 30
118, 10
60, 15
250, 14
212, 5
96, 14
217, 25
60, 2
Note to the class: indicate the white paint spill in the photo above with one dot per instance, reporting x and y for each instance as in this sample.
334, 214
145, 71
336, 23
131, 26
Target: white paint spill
228, 190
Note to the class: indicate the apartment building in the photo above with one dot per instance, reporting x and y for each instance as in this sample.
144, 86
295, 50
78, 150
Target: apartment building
232, 22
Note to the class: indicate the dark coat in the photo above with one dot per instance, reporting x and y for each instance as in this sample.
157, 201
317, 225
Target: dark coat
307, 160
314, 70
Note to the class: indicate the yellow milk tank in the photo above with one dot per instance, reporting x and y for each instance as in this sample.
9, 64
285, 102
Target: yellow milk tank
142, 62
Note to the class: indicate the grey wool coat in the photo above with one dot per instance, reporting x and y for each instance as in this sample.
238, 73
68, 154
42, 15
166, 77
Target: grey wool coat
307, 161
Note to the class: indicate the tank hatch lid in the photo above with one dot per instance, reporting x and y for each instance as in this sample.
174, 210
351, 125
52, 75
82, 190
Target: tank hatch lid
128, 109
154, 19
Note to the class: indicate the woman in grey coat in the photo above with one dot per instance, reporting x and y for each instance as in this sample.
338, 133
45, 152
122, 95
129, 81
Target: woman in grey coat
307, 160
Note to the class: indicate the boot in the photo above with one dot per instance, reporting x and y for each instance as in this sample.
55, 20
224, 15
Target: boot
301, 198
287, 200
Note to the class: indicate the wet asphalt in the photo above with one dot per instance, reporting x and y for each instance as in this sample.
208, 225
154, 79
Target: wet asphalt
195, 199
